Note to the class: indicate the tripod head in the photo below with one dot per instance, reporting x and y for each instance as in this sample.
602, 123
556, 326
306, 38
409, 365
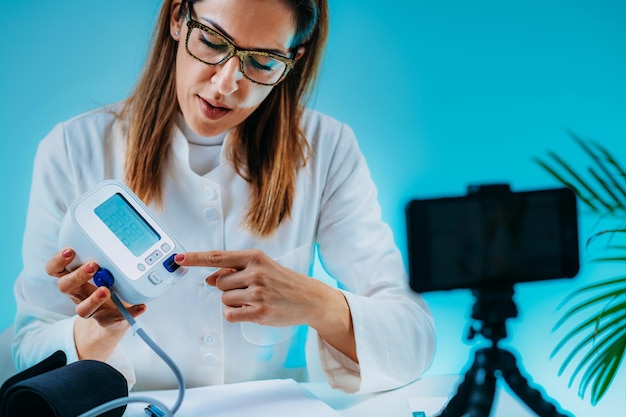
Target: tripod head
493, 306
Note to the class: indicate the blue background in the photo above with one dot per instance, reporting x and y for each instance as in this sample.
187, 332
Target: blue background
440, 94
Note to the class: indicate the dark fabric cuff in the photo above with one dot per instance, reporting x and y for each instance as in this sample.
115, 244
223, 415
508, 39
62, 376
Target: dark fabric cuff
52, 388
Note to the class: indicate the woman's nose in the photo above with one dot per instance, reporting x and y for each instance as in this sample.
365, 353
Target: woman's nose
227, 75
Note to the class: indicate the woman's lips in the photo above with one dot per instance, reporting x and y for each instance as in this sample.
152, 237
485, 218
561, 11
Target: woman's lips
210, 111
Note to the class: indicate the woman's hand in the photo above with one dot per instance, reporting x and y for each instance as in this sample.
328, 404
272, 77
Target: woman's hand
104, 326
258, 289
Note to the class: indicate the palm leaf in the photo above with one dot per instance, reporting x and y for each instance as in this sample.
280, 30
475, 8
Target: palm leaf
605, 156
606, 187
603, 358
609, 232
603, 369
597, 341
596, 332
599, 298
560, 178
601, 161
575, 183
591, 191
599, 350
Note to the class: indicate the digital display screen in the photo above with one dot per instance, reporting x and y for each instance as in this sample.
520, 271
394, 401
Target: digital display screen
129, 227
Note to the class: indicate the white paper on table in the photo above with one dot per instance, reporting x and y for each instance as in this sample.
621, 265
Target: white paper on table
275, 398
426, 406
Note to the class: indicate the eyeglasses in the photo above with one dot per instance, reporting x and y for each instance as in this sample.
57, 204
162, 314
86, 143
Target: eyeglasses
210, 47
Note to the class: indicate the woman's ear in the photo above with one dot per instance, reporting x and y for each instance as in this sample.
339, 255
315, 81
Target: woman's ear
299, 53
175, 20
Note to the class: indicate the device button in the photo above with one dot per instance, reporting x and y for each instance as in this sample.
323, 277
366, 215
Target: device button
103, 278
210, 339
170, 264
209, 193
141, 267
155, 278
155, 256
210, 214
209, 358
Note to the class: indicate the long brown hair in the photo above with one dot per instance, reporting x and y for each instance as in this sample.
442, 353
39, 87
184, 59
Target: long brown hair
268, 148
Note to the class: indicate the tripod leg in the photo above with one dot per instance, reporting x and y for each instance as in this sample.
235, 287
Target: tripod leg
474, 396
481, 398
458, 403
519, 384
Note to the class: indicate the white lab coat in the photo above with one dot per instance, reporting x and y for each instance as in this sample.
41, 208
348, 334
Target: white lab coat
335, 207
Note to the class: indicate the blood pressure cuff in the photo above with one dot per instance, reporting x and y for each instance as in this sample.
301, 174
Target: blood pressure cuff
53, 389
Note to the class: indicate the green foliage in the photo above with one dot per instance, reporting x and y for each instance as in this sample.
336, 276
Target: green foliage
600, 336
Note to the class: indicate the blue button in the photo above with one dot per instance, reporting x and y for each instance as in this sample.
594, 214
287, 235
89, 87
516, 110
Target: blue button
103, 278
170, 264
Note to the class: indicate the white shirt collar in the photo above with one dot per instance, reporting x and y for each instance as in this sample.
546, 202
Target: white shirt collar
194, 139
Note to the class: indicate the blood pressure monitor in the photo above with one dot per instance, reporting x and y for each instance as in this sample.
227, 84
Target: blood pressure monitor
112, 227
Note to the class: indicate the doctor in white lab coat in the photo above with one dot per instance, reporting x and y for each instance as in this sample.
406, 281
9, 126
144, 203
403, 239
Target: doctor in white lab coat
215, 139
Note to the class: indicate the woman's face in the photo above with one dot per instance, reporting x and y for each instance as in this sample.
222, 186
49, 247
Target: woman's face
216, 98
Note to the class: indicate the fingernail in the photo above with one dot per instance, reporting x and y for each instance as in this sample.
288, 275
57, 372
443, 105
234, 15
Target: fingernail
90, 268
180, 257
67, 253
101, 293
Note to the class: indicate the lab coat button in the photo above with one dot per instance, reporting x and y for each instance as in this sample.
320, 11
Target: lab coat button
209, 358
210, 214
210, 339
209, 193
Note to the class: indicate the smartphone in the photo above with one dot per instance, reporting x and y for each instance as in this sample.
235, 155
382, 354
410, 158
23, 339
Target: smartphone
492, 236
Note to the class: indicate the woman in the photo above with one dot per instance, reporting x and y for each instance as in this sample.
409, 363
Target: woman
215, 139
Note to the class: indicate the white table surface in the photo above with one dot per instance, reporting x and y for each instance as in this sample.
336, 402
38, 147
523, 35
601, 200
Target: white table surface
393, 403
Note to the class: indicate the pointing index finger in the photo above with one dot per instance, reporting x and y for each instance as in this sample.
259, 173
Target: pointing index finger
213, 258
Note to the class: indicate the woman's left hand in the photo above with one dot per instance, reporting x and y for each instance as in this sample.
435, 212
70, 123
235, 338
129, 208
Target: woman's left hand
258, 289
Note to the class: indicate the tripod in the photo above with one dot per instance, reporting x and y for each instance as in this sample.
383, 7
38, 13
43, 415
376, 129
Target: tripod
474, 396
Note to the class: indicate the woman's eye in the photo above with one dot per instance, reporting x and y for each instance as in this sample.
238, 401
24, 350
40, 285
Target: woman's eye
213, 42
262, 63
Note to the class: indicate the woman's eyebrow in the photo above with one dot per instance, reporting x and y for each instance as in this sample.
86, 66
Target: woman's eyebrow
230, 38
218, 27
